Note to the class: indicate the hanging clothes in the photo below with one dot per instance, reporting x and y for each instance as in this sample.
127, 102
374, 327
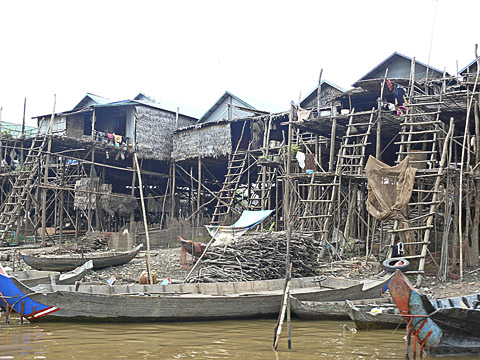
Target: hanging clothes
389, 84
400, 95
303, 115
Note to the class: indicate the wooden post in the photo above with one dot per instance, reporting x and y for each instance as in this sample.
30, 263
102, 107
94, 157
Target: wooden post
332, 138
172, 211
176, 118
199, 190
93, 125
474, 251
191, 202
22, 143
147, 236
45, 176
378, 153
286, 212
62, 202
90, 187
319, 92
37, 202
77, 215
132, 193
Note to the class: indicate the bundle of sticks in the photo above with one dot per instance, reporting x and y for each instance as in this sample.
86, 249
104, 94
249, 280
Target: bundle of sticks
92, 241
259, 256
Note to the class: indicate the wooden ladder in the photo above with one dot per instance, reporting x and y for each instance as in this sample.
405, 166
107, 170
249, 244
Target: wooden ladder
422, 141
21, 189
226, 199
321, 204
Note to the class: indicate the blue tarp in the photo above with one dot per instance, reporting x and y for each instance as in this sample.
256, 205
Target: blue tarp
248, 220
251, 218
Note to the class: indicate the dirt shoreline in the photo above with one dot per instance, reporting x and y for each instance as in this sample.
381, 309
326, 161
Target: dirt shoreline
166, 263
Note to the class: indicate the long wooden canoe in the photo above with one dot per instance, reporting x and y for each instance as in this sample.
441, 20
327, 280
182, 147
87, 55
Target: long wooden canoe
69, 262
332, 310
365, 319
33, 278
441, 327
175, 302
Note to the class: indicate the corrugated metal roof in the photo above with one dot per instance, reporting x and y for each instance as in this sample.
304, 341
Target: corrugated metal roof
219, 102
469, 64
388, 59
168, 105
314, 91
95, 98
16, 129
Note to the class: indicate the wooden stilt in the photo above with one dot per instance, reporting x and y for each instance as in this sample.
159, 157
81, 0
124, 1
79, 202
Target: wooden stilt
172, 196
286, 211
144, 212
45, 176
474, 251
199, 191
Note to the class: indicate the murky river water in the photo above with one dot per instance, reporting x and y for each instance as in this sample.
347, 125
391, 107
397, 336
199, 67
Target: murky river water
250, 339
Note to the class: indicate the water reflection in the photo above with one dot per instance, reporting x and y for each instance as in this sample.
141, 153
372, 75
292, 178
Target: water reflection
196, 340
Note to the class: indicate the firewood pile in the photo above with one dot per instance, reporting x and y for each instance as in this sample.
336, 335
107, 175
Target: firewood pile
259, 256
92, 241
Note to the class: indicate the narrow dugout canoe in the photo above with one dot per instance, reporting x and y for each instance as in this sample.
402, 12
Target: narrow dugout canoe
175, 302
69, 262
332, 310
364, 319
33, 278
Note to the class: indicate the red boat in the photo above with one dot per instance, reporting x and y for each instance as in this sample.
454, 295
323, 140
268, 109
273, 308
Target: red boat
441, 327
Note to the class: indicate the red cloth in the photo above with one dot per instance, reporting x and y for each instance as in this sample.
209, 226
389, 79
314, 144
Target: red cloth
389, 84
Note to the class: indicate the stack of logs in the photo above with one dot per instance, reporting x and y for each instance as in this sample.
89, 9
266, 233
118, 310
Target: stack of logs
92, 241
259, 256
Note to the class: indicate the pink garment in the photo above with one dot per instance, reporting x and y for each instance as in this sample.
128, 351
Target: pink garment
389, 84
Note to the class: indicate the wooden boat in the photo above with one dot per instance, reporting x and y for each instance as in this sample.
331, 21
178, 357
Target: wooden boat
366, 319
69, 262
33, 278
332, 310
442, 327
174, 302
192, 247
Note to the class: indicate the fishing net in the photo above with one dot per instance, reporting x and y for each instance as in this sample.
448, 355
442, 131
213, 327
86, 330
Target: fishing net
389, 191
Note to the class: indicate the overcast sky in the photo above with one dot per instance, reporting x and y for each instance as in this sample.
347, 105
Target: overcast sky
190, 52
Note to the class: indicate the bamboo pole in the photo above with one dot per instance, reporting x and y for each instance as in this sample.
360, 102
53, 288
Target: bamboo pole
199, 189
172, 192
378, 153
319, 92
332, 141
19, 212
62, 203
474, 251
90, 187
45, 176
288, 268
145, 224
132, 193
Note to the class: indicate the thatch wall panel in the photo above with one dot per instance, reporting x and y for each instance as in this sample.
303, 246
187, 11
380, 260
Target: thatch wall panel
75, 126
154, 132
210, 141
